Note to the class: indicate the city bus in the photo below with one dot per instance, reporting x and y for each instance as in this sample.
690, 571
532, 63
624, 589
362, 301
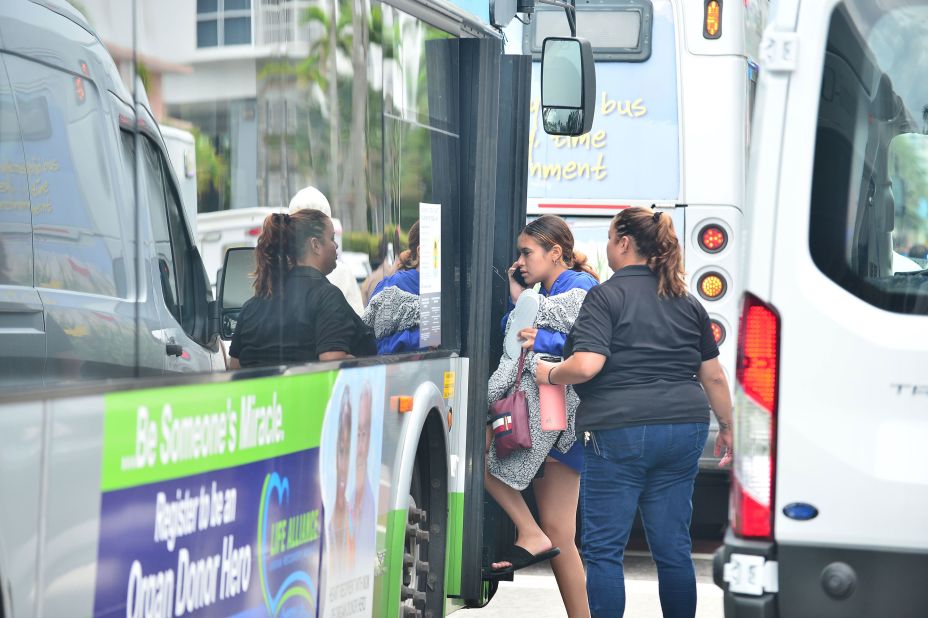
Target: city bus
676, 82
142, 478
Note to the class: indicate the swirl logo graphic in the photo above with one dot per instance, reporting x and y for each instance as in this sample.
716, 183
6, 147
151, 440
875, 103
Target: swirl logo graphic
297, 583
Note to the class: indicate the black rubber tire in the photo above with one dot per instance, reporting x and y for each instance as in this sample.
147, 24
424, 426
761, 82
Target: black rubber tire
422, 593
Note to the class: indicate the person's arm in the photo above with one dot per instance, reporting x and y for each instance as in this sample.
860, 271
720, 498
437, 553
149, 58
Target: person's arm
714, 382
233, 363
590, 337
549, 342
579, 368
334, 325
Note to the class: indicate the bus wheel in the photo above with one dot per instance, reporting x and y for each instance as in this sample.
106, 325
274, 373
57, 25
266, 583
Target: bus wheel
423, 587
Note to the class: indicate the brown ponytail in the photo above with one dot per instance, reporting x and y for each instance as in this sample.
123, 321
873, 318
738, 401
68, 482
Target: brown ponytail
657, 242
409, 259
549, 230
281, 245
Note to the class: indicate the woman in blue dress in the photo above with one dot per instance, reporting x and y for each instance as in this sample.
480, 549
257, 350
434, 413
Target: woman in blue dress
546, 257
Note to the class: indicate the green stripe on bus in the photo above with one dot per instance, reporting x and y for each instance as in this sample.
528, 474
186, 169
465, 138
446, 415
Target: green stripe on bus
455, 548
166, 433
387, 586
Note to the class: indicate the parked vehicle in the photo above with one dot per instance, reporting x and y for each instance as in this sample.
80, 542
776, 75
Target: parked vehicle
829, 498
75, 303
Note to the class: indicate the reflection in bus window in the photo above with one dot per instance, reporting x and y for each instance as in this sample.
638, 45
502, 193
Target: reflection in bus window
15, 212
393, 311
78, 239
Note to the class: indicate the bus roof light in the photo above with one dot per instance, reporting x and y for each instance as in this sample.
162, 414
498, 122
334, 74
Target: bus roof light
712, 26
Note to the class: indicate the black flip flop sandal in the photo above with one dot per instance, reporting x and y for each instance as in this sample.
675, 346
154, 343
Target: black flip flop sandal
519, 558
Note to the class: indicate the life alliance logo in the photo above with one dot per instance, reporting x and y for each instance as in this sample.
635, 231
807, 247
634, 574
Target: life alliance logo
282, 535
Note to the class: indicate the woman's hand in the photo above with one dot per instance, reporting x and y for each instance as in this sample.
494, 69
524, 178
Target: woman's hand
542, 369
725, 440
514, 288
528, 335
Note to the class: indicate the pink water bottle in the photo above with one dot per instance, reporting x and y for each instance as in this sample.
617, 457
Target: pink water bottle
553, 403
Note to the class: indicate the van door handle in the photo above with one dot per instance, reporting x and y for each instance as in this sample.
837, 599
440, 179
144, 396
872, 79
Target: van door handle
173, 349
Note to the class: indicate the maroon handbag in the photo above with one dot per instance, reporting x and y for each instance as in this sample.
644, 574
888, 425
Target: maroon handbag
509, 419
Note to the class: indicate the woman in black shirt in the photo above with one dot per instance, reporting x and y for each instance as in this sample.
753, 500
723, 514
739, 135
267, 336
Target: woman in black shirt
645, 363
296, 314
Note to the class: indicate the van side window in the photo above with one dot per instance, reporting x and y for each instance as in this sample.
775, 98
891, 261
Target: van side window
172, 243
869, 211
153, 189
15, 214
78, 238
181, 245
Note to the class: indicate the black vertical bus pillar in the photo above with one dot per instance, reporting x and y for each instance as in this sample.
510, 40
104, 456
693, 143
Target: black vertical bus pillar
494, 114
509, 219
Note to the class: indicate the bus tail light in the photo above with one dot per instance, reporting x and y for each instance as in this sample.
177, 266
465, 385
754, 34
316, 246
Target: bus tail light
718, 331
755, 420
712, 25
255, 231
712, 285
712, 238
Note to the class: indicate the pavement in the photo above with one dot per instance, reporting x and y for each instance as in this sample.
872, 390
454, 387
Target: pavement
534, 592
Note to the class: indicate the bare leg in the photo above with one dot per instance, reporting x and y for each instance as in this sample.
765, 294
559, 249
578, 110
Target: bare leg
529, 534
557, 494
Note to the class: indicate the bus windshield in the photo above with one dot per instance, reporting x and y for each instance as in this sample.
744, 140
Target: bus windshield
633, 149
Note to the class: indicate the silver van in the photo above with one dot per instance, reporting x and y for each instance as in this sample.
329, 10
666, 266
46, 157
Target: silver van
90, 286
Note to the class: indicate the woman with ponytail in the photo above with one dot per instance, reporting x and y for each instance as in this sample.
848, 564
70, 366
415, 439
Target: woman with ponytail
645, 363
546, 258
296, 314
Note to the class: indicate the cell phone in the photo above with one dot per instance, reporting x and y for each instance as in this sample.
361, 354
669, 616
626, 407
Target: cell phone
519, 278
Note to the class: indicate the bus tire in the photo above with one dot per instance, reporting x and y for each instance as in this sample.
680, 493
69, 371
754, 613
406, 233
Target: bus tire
422, 592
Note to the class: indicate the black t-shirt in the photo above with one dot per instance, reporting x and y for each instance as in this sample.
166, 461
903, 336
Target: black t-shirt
310, 317
653, 348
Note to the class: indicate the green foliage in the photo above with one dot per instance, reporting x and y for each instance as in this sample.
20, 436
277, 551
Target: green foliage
144, 74
366, 242
212, 167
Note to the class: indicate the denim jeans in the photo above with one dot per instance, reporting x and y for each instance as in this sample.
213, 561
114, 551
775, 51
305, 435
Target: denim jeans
651, 468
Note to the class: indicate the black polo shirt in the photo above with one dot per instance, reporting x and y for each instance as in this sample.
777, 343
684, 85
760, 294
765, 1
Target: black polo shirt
653, 348
310, 317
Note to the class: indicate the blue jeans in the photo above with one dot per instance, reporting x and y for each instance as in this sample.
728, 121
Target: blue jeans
651, 468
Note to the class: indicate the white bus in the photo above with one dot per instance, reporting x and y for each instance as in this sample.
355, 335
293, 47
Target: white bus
675, 88
830, 475
139, 477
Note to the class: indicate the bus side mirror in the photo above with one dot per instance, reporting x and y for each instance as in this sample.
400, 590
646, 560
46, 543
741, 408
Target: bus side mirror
235, 287
568, 86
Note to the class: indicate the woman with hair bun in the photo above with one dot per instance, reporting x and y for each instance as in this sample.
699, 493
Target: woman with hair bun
645, 364
296, 314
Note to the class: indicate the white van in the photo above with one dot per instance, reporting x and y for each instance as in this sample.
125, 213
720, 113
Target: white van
91, 286
829, 504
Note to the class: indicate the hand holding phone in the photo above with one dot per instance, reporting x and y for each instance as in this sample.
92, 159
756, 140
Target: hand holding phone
516, 273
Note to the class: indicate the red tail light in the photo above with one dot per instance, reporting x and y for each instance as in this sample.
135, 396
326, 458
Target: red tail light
255, 231
755, 420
